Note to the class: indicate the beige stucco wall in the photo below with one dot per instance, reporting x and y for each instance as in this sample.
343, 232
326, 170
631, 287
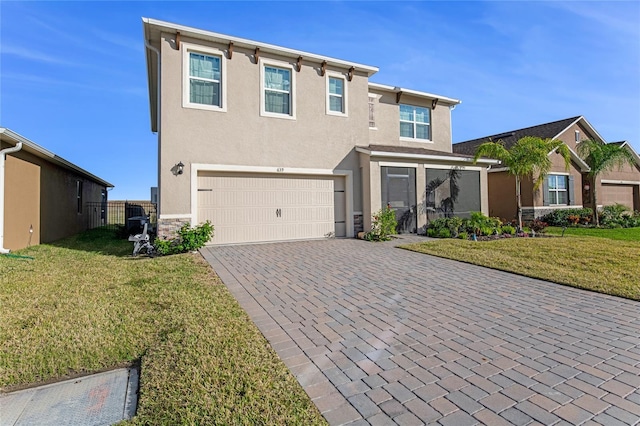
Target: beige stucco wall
387, 118
42, 195
241, 136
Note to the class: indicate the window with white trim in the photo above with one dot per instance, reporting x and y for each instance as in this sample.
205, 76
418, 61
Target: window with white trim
204, 72
415, 122
277, 88
336, 95
557, 187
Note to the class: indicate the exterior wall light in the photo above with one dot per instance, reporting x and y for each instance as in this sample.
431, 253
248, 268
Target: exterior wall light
587, 187
179, 168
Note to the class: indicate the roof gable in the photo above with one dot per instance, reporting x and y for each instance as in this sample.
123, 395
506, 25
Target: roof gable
544, 131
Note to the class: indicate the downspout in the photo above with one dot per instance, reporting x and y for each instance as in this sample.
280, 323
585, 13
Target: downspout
3, 156
157, 52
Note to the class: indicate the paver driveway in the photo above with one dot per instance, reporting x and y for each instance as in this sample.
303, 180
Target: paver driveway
380, 335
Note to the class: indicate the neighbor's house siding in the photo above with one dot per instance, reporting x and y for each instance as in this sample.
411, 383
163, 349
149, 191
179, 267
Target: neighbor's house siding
41, 196
241, 136
627, 194
502, 190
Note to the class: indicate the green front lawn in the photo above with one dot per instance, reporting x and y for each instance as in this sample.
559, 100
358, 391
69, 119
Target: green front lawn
606, 265
83, 305
627, 234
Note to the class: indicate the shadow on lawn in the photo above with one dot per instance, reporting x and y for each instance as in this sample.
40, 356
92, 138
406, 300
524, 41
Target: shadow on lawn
108, 242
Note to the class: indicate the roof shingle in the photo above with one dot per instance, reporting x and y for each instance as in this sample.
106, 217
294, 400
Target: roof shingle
544, 131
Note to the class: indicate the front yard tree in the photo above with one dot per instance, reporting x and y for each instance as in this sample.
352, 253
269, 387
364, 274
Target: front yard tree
527, 158
601, 157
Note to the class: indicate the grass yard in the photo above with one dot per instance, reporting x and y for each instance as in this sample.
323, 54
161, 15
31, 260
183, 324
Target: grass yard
83, 305
628, 234
609, 264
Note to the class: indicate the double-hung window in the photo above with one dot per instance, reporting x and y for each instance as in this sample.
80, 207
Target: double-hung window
336, 95
204, 78
415, 122
558, 186
277, 96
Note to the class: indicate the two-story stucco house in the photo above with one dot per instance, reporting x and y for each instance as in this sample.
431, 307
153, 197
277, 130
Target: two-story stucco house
271, 143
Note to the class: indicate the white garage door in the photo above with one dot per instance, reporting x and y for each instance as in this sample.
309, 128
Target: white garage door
246, 207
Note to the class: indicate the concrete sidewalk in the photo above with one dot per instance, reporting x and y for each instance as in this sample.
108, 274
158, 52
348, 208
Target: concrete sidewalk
99, 399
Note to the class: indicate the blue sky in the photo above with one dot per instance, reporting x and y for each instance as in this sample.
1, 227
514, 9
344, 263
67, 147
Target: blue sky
73, 74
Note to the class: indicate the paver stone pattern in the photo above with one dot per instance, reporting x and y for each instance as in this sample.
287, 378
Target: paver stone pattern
380, 335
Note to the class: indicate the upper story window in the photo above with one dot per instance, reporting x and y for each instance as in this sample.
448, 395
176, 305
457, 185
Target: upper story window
277, 94
415, 122
204, 83
336, 95
577, 136
558, 185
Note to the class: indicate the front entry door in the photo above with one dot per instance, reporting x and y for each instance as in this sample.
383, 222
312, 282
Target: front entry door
399, 192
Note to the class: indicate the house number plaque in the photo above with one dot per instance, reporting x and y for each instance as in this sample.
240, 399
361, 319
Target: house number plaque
280, 169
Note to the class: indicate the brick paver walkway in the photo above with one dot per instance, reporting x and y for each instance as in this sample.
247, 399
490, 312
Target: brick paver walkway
379, 335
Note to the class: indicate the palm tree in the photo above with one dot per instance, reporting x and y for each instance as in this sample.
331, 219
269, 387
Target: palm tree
527, 158
601, 157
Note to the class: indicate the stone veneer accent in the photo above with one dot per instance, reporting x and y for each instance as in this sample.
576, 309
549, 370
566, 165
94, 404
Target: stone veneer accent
358, 223
167, 228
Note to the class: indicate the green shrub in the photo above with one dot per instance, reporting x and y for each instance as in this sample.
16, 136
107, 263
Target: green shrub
480, 224
188, 239
452, 224
383, 225
567, 217
432, 232
463, 236
444, 233
508, 229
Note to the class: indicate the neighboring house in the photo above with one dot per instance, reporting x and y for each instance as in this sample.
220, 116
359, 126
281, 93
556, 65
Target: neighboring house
43, 197
271, 143
562, 188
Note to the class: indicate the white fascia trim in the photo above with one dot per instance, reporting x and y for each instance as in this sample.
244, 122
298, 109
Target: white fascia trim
251, 44
396, 89
293, 89
176, 216
198, 167
396, 164
498, 169
633, 152
558, 174
424, 157
442, 167
620, 182
186, 90
34, 148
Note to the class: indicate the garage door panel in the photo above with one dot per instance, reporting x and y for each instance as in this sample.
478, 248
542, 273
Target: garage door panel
257, 207
617, 194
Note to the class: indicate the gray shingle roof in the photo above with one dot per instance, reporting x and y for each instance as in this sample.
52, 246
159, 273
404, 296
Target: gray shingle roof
419, 151
544, 131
